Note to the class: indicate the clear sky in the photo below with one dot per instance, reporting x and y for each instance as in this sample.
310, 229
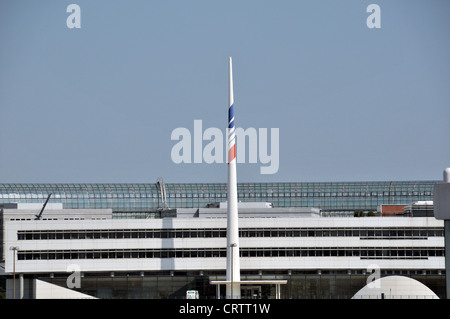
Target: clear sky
99, 103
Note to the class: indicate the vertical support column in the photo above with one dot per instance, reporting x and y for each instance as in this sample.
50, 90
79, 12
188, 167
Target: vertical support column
447, 241
447, 256
21, 286
441, 203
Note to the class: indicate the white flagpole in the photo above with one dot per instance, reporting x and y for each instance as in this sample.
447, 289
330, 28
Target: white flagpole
233, 265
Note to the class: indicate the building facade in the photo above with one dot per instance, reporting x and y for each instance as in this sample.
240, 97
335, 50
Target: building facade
168, 251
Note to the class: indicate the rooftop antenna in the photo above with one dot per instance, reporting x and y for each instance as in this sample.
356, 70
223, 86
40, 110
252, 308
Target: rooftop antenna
162, 190
38, 217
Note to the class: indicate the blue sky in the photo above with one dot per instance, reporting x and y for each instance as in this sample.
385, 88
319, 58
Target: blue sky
99, 103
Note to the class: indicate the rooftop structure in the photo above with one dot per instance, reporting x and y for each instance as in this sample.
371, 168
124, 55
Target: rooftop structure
140, 200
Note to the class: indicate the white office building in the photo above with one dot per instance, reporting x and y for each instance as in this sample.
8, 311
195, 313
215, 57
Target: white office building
312, 256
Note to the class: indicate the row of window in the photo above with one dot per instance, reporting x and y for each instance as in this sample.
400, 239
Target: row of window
362, 252
363, 233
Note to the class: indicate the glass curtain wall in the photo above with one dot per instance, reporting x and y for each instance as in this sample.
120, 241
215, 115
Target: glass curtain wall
301, 285
335, 196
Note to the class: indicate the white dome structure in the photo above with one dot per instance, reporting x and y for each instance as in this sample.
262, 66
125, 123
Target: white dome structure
395, 287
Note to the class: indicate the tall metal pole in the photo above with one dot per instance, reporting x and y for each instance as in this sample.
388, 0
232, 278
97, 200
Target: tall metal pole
14, 274
233, 264
14, 249
232, 268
